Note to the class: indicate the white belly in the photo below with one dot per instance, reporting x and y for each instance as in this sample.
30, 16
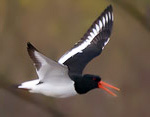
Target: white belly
59, 90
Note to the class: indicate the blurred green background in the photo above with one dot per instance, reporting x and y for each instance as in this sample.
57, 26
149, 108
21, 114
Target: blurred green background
53, 26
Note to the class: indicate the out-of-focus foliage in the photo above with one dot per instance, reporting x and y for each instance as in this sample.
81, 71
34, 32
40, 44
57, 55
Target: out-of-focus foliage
53, 27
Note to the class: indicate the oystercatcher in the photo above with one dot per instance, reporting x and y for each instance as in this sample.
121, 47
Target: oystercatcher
64, 78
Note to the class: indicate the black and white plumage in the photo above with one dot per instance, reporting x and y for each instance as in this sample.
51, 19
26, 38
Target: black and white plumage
64, 78
91, 44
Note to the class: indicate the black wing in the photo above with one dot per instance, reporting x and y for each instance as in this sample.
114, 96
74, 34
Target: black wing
91, 45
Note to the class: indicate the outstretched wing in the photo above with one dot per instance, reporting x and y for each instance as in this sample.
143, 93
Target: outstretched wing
44, 66
91, 45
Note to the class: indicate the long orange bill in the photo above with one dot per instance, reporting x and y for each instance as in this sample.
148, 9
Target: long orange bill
101, 84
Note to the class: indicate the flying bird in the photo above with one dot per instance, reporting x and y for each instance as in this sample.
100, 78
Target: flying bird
65, 78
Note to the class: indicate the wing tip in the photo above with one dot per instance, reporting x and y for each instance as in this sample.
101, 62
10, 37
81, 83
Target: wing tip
30, 47
31, 51
109, 7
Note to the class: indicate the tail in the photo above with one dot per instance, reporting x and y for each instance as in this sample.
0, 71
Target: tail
29, 85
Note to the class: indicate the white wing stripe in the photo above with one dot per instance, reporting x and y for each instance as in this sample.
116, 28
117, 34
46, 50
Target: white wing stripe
100, 24
104, 21
106, 43
89, 37
92, 34
94, 31
106, 18
74, 51
80, 47
85, 43
109, 15
97, 28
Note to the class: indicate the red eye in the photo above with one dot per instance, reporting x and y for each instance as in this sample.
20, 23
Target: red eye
94, 78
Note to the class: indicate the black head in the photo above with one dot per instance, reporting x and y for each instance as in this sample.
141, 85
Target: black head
85, 83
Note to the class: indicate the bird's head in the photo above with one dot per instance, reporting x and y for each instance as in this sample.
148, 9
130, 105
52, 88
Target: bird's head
88, 82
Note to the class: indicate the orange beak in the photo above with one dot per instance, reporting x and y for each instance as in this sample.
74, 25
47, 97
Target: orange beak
101, 84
